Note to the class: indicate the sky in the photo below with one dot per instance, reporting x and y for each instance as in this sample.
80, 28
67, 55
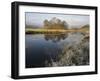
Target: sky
36, 19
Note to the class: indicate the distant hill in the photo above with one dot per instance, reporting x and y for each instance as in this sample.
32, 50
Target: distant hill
85, 26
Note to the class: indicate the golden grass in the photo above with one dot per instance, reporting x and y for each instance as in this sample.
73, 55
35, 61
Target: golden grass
56, 30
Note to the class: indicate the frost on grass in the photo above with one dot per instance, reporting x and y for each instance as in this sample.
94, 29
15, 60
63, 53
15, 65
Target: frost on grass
72, 55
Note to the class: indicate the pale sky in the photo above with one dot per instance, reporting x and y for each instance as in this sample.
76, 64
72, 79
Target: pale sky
36, 19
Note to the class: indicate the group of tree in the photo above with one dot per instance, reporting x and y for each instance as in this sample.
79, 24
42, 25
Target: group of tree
55, 23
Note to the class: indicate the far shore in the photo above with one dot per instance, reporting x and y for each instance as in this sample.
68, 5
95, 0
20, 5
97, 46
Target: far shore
32, 31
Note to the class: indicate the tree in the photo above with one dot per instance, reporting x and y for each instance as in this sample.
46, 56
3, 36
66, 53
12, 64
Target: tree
46, 22
55, 23
65, 24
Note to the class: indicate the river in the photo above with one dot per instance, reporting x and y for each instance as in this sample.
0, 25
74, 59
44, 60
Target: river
43, 48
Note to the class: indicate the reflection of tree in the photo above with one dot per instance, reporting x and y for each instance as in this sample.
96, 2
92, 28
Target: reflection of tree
55, 37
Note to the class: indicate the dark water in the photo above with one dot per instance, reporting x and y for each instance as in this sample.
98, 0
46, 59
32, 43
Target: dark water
41, 48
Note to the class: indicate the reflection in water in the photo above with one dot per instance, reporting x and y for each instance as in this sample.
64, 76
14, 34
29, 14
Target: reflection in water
63, 50
55, 37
